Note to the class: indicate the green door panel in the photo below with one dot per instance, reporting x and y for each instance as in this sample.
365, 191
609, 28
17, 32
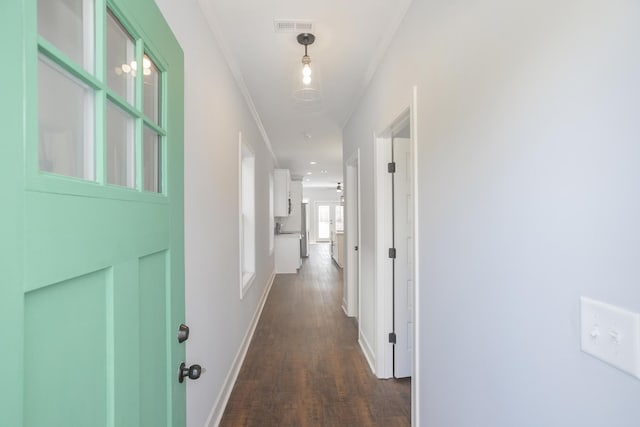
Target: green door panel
65, 352
153, 333
92, 277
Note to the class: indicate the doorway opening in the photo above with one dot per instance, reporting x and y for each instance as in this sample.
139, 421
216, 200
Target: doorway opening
328, 217
395, 185
396, 249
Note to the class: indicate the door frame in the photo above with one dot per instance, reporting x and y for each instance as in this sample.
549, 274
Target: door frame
351, 298
317, 204
383, 241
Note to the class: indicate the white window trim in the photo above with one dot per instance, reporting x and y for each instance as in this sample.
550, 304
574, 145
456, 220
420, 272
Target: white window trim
246, 279
272, 219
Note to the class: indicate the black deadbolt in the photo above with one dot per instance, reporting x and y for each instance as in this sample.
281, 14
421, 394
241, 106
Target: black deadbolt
183, 333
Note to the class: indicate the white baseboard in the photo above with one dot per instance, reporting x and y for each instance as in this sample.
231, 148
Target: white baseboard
344, 308
368, 351
223, 397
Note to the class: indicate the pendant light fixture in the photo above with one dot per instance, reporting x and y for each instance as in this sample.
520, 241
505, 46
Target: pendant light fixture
339, 188
306, 39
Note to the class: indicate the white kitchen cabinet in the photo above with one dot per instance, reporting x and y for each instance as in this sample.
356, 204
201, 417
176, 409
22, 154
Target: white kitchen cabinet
293, 223
281, 192
287, 253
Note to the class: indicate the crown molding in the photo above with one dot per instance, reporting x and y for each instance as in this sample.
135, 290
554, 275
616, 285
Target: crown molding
209, 15
378, 55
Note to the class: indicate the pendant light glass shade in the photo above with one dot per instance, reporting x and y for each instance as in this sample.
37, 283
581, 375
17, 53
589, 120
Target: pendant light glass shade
306, 93
306, 70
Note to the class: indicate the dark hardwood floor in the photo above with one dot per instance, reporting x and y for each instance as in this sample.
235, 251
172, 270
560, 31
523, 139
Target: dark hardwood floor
304, 366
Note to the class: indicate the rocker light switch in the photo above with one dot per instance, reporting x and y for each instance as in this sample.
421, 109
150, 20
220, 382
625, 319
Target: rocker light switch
611, 334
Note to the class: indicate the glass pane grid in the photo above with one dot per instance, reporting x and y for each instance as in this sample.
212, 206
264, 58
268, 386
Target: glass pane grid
152, 161
124, 105
120, 146
69, 25
58, 57
65, 123
128, 100
152, 90
122, 66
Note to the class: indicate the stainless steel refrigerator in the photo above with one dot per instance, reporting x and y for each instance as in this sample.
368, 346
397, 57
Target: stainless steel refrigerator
304, 231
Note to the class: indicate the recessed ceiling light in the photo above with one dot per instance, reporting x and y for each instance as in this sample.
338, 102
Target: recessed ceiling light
313, 163
309, 173
324, 171
307, 180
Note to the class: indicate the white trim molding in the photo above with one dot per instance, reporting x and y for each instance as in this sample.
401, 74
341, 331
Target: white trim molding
368, 352
383, 265
209, 14
215, 416
415, 383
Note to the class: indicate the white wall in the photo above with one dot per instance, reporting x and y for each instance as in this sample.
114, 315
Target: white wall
317, 195
529, 143
214, 113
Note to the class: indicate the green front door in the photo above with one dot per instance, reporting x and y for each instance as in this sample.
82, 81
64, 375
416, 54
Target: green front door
91, 220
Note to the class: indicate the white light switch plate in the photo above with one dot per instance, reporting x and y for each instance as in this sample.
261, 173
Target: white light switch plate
611, 334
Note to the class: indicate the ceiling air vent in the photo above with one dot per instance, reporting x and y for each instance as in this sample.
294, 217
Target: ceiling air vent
292, 26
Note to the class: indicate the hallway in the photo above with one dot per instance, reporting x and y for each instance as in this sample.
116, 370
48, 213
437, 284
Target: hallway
304, 366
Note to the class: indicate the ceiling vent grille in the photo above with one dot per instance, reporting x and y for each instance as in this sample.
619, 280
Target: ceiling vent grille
292, 26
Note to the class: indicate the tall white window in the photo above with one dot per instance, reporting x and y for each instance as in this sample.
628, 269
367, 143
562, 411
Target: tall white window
247, 216
272, 222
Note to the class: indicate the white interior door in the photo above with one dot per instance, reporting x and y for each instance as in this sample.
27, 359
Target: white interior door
403, 263
352, 239
356, 247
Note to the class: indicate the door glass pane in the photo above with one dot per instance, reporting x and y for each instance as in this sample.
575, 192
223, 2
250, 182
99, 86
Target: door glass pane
120, 147
66, 112
121, 63
151, 89
68, 25
152, 161
324, 222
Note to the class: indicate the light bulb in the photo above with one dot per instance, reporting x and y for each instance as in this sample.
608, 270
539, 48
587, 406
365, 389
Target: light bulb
306, 80
306, 70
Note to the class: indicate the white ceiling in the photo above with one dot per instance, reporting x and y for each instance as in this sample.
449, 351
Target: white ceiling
351, 36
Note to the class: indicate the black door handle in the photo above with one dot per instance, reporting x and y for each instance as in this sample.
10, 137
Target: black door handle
193, 372
183, 333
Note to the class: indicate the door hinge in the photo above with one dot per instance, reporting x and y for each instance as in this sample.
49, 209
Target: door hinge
392, 253
392, 337
391, 167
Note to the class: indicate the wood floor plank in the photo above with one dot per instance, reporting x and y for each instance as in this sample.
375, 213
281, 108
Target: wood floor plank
304, 366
